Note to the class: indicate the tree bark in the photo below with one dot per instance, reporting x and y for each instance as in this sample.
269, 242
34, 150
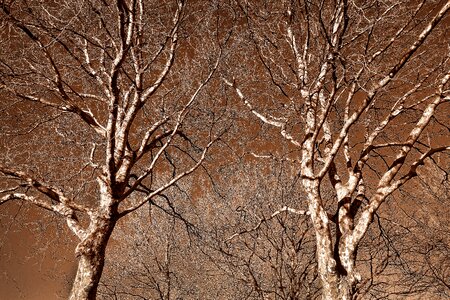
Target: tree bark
91, 256
336, 265
337, 286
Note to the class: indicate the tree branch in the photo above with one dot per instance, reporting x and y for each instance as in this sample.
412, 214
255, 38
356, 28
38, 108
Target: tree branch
371, 94
168, 184
60, 208
264, 220
50, 191
267, 120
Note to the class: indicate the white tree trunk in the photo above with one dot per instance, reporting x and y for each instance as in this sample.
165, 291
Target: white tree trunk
336, 286
91, 252
336, 265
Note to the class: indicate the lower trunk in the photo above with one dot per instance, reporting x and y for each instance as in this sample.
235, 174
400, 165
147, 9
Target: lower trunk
91, 259
336, 268
338, 286
336, 265
347, 288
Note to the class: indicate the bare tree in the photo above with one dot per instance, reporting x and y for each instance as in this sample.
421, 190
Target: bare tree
272, 252
105, 110
360, 91
108, 106
157, 256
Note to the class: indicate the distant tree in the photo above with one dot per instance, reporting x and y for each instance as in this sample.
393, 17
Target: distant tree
272, 250
360, 91
148, 261
104, 109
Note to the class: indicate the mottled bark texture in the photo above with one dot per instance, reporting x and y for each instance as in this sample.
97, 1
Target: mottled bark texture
91, 259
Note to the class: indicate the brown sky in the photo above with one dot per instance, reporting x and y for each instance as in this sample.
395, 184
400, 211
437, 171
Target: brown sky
28, 272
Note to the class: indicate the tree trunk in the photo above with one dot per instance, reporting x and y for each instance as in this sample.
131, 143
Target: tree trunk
91, 255
336, 266
335, 284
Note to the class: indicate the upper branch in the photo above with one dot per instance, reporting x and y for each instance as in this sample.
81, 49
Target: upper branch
268, 120
264, 220
67, 105
129, 112
173, 36
383, 82
86, 115
387, 184
170, 134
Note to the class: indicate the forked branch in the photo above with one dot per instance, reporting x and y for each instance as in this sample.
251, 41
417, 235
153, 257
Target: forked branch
264, 220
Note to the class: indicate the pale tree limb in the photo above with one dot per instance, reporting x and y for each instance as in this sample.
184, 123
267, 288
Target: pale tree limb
267, 120
91, 71
59, 204
385, 186
384, 191
412, 172
92, 155
397, 34
326, 104
125, 25
424, 34
144, 145
62, 209
124, 121
395, 111
48, 190
271, 157
415, 134
174, 38
369, 145
302, 70
85, 115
